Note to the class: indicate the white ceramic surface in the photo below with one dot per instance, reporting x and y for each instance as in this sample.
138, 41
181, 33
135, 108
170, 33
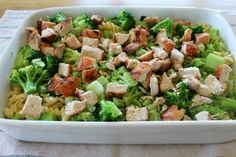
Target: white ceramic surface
156, 132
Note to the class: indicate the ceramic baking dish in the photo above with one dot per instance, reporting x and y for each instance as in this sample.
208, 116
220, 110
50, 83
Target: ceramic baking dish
156, 132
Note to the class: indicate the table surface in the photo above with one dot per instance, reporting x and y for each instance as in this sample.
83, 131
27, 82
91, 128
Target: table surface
214, 150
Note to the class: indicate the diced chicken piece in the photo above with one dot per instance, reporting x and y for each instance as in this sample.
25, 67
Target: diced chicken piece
199, 100
165, 83
89, 75
131, 48
147, 56
202, 38
156, 64
151, 20
46, 48
73, 42
215, 86
167, 44
140, 72
58, 51
32, 106
146, 82
131, 63
110, 64
192, 82
165, 64
34, 40
74, 107
93, 52
141, 35
64, 69
64, 27
222, 72
97, 19
194, 71
86, 63
204, 90
91, 33
189, 49
116, 48
204, 115
54, 83
159, 101
105, 43
160, 36
160, 53
121, 58
45, 24
136, 114
187, 35
121, 38
172, 113
66, 87
176, 55
154, 86
48, 35
90, 97
116, 90
93, 42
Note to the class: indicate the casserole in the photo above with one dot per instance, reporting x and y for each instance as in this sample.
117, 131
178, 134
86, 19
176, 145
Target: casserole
117, 132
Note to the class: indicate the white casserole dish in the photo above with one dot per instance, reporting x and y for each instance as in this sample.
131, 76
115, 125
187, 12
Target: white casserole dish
156, 132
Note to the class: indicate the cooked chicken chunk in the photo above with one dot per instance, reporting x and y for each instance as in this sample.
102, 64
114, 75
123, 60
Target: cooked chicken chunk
90, 97
64, 27
172, 113
131, 48
187, 35
199, 100
121, 38
93, 42
147, 56
194, 71
136, 114
73, 42
116, 48
222, 72
192, 82
48, 35
116, 90
93, 52
160, 53
154, 86
202, 38
140, 72
215, 86
64, 69
86, 63
189, 49
121, 58
159, 101
204, 90
204, 115
74, 107
165, 83
32, 106
89, 75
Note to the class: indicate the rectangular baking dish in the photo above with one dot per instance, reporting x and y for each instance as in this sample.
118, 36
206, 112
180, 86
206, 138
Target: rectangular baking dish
155, 132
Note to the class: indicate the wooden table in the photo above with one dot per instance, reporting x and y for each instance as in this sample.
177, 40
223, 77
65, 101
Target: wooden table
36, 4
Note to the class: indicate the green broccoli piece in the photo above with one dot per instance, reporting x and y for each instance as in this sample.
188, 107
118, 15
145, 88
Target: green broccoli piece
226, 104
49, 116
125, 20
52, 64
57, 18
122, 76
82, 22
25, 55
109, 111
132, 97
213, 110
165, 24
30, 77
179, 29
70, 56
153, 113
84, 116
182, 98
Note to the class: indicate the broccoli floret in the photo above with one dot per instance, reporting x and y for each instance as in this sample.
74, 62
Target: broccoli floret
49, 116
226, 104
165, 24
25, 55
82, 22
57, 18
132, 97
213, 110
70, 56
52, 64
182, 98
153, 113
122, 76
84, 116
109, 111
125, 20
30, 77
